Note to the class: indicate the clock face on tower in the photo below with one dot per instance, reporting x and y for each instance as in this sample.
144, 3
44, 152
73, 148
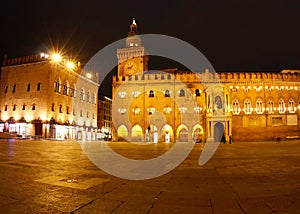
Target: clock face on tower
130, 67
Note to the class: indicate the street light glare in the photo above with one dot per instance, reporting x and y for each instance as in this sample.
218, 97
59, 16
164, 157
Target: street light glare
56, 57
70, 65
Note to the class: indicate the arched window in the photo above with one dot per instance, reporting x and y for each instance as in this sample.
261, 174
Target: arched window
57, 85
235, 107
281, 107
14, 88
73, 91
38, 88
197, 93
82, 94
259, 106
151, 93
181, 93
66, 88
6, 89
247, 107
88, 96
270, 107
291, 106
94, 98
167, 93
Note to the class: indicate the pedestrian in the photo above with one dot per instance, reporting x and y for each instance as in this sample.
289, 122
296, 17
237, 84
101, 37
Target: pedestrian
223, 139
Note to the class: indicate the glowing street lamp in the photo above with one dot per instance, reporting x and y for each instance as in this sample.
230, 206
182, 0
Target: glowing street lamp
89, 75
56, 57
70, 65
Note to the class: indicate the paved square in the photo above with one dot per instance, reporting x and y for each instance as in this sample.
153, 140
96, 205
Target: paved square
57, 177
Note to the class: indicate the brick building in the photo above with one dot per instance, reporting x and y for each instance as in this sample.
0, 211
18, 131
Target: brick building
173, 105
48, 96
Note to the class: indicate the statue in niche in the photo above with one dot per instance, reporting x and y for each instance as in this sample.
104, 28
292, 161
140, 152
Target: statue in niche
218, 102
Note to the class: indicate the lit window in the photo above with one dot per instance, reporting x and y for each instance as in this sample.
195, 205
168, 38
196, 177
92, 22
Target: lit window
246, 88
136, 111
197, 109
281, 107
167, 110
122, 110
151, 93
181, 93
66, 88
235, 107
292, 106
182, 110
57, 86
136, 94
122, 94
259, 107
271, 107
167, 93
151, 110
247, 107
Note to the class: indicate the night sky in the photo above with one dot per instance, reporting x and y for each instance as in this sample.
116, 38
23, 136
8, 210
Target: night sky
234, 35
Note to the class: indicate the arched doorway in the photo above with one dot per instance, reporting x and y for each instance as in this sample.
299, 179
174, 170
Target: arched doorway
137, 133
198, 134
218, 132
167, 133
182, 133
122, 132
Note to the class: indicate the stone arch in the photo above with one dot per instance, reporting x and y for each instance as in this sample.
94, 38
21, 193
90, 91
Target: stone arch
182, 133
122, 132
197, 133
166, 131
137, 133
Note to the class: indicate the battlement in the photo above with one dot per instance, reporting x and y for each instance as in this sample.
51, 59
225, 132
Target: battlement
24, 59
207, 76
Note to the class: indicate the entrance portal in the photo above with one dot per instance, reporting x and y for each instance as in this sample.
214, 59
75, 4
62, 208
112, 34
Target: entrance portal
218, 132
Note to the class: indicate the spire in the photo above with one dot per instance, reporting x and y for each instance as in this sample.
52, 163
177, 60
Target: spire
133, 28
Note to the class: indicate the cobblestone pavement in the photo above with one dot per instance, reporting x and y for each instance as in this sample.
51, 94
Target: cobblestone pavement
57, 177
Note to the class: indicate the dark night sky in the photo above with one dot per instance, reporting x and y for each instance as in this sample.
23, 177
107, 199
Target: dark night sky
234, 35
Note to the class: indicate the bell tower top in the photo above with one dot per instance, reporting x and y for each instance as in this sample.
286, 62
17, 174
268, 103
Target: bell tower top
133, 39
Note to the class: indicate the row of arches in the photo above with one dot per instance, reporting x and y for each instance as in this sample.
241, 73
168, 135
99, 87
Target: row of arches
165, 134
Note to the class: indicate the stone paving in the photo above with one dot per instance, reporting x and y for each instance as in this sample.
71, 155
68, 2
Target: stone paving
57, 177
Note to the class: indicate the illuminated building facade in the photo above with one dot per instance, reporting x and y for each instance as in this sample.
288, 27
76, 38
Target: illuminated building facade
179, 106
47, 96
104, 120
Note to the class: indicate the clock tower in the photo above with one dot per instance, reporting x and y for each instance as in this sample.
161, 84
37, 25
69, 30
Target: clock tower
132, 59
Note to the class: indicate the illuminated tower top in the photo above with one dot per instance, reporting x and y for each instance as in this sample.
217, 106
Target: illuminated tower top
133, 39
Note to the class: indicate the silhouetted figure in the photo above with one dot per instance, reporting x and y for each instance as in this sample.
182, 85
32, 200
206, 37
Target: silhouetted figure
230, 139
223, 139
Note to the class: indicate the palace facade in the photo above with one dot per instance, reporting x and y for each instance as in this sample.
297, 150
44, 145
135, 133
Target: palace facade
48, 96
180, 106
